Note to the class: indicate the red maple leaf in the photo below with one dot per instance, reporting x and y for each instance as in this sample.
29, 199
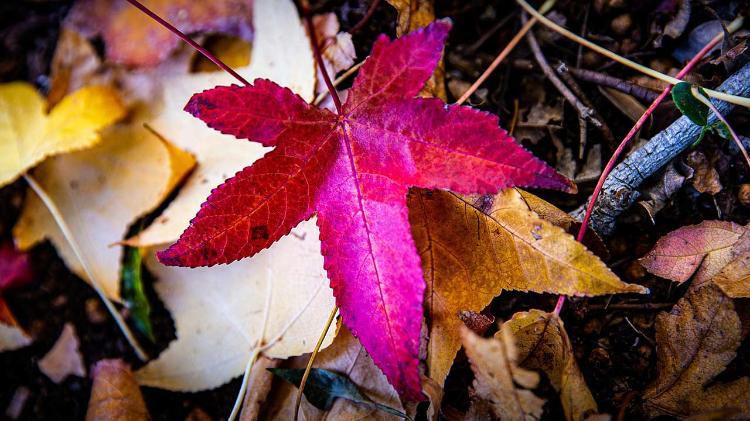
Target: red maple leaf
354, 169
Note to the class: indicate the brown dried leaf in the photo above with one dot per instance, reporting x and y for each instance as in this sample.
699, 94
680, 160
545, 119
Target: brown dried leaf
695, 343
337, 47
659, 195
705, 177
133, 39
345, 356
64, 358
115, 394
734, 279
469, 257
543, 344
258, 386
702, 249
499, 379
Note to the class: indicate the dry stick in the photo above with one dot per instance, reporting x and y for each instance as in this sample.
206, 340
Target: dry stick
613, 159
711, 106
188, 40
68, 234
365, 18
604, 79
310, 362
733, 99
337, 82
504, 53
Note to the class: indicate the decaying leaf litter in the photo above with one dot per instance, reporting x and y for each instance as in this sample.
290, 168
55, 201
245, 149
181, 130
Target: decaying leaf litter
612, 338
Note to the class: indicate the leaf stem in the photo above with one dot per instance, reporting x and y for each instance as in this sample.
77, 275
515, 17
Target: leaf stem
322, 337
68, 234
504, 53
188, 40
365, 18
716, 112
636, 127
304, 5
338, 81
733, 99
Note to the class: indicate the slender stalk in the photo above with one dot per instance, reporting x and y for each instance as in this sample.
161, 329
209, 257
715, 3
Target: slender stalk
636, 127
338, 81
322, 337
68, 234
504, 53
721, 118
733, 99
188, 40
365, 18
319, 57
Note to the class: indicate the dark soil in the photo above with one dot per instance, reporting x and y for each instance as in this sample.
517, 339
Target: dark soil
614, 347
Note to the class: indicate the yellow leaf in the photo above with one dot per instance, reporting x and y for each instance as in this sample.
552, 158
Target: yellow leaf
469, 258
694, 343
543, 344
219, 312
28, 135
100, 192
495, 365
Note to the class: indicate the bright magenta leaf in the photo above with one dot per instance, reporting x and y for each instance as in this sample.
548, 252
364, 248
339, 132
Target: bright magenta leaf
15, 271
354, 170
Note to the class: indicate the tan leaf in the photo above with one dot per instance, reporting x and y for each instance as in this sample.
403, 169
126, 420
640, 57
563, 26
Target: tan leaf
337, 47
12, 336
100, 192
224, 308
695, 343
258, 386
345, 356
64, 358
281, 52
469, 257
28, 134
499, 379
543, 344
115, 394
415, 14
702, 249
734, 279
705, 177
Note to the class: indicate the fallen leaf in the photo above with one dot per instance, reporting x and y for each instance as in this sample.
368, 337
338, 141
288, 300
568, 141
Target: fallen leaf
734, 278
224, 307
470, 257
346, 356
658, 196
259, 384
232, 51
134, 39
75, 64
335, 166
133, 293
15, 271
323, 387
412, 15
280, 52
115, 394
702, 249
64, 358
477, 322
28, 135
543, 344
336, 47
705, 177
499, 379
100, 192
695, 343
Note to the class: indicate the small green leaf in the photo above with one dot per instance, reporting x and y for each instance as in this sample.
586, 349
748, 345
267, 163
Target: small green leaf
132, 292
721, 129
324, 386
689, 105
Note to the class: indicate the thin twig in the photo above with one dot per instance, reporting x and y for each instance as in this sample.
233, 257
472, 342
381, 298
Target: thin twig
319, 56
733, 99
504, 53
314, 354
472, 49
188, 40
68, 234
323, 95
365, 18
604, 79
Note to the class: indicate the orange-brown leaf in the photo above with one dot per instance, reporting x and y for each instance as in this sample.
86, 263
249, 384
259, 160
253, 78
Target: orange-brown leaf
543, 344
734, 279
115, 394
695, 343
